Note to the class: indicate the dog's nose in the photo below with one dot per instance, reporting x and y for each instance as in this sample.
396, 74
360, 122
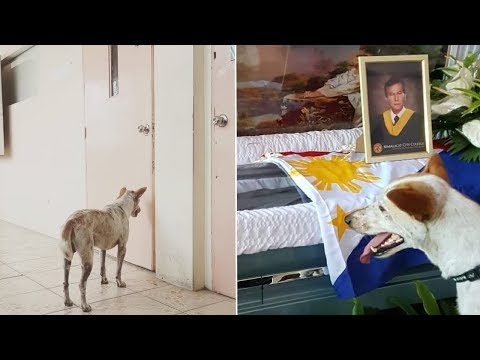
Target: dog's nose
348, 219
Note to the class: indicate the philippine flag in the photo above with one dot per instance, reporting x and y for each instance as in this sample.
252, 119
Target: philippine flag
338, 184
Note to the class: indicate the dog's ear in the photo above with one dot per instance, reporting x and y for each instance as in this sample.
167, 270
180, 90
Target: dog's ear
140, 192
435, 166
122, 191
415, 198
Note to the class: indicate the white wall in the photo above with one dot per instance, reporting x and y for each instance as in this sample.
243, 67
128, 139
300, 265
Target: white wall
201, 168
9, 51
43, 170
173, 104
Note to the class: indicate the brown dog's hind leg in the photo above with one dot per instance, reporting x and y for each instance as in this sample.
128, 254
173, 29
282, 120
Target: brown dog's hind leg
122, 249
87, 264
103, 272
86, 269
66, 268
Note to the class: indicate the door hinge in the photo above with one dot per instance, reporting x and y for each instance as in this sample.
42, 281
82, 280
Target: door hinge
85, 132
153, 165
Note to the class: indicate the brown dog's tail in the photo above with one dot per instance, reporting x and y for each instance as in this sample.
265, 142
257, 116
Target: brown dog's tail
66, 244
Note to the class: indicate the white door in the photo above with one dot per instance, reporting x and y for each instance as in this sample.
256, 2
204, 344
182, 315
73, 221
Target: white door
2, 148
224, 171
118, 100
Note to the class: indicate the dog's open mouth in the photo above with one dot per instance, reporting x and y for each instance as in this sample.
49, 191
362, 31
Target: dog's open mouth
380, 245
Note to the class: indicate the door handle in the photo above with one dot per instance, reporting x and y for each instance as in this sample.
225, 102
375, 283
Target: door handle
220, 120
145, 129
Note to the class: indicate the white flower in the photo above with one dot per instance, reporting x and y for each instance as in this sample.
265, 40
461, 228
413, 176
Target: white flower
463, 80
455, 98
450, 103
471, 130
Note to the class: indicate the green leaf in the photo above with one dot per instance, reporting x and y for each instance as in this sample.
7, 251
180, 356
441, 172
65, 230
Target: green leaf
470, 154
437, 83
449, 73
472, 93
440, 90
457, 142
447, 125
469, 60
458, 62
472, 108
429, 302
403, 304
441, 133
447, 68
357, 308
448, 308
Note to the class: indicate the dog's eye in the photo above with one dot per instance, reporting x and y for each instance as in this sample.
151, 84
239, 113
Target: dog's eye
382, 209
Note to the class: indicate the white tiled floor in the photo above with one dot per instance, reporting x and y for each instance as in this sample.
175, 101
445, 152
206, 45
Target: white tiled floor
31, 278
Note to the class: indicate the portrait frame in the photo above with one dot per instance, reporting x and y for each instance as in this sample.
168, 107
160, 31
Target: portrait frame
379, 135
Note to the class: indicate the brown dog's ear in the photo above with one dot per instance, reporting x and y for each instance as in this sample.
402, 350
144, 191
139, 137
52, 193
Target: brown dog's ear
416, 199
140, 192
122, 191
435, 166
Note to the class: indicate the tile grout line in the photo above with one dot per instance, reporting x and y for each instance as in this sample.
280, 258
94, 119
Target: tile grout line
115, 297
63, 299
57, 268
28, 292
75, 282
9, 277
89, 302
113, 259
41, 257
65, 308
210, 305
181, 311
216, 302
137, 293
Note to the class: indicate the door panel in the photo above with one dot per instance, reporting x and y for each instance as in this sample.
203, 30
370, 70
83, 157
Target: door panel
117, 154
224, 172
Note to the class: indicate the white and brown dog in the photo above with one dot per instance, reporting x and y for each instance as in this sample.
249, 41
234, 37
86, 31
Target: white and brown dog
103, 229
423, 211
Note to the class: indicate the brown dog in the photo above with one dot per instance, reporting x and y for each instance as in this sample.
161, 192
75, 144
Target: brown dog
104, 229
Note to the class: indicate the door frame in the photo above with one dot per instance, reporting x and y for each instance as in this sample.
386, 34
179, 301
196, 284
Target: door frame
184, 250
204, 116
223, 170
207, 116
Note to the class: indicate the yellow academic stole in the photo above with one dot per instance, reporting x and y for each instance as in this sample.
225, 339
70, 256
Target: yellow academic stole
396, 129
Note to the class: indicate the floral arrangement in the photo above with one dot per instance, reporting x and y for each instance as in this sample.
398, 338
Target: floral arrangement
455, 107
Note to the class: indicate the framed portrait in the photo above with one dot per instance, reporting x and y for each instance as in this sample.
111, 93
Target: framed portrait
395, 97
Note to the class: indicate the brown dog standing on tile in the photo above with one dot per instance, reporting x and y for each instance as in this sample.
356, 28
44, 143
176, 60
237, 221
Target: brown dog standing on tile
103, 229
